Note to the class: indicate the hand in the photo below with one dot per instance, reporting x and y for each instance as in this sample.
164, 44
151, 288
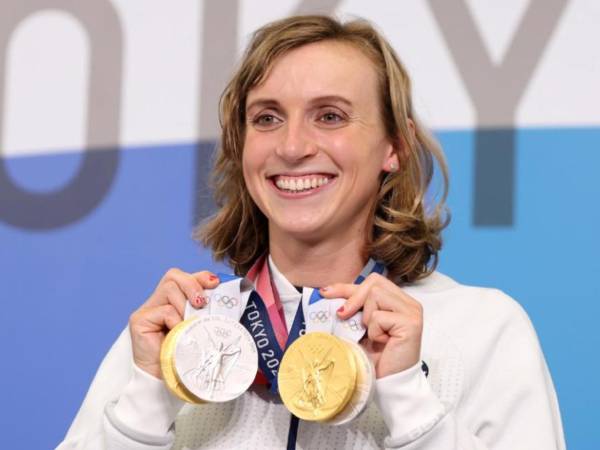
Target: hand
394, 321
162, 311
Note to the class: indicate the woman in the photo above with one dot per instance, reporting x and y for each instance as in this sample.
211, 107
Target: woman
322, 165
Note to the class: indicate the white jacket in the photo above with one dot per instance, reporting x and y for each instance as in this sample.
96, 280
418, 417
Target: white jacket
488, 388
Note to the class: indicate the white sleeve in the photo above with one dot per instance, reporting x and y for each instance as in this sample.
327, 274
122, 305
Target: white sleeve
511, 406
125, 408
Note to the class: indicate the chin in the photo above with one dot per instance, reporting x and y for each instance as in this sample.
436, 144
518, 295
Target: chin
299, 229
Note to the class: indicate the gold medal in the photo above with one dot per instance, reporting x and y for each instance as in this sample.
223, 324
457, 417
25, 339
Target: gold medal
167, 365
363, 392
317, 376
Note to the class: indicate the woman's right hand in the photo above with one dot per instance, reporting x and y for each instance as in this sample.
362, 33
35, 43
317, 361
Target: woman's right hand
162, 311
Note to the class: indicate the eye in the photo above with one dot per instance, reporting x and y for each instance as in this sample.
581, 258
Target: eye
331, 118
266, 121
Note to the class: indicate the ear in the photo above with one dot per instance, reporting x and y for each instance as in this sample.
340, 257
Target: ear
391, 162
397, 148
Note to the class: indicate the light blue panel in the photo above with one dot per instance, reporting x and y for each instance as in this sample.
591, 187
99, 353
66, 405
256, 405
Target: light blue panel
548, 261
68, 293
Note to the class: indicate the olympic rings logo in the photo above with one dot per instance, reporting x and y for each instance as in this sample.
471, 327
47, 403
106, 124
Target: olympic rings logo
319, 316
224, 300
353, 324
222, 332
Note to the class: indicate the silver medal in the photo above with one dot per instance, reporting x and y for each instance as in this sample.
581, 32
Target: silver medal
215, 358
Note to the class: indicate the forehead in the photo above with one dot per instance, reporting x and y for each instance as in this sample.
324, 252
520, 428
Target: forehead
320, 69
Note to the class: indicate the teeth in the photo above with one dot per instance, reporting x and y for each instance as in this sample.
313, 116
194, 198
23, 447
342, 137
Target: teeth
300, 184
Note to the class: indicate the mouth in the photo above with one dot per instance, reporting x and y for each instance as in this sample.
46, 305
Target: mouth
301, 184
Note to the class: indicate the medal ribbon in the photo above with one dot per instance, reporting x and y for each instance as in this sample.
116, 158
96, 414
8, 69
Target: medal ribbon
260, 311
228, 299
265, 321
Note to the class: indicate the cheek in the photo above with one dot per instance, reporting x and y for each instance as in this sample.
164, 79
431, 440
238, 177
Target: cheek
252, 163
253, 153
343, 149
357, 151
250, 160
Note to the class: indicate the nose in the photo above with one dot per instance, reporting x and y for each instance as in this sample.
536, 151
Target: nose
296, 143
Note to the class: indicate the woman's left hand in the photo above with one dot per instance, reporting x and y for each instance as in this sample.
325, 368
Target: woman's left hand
394, 321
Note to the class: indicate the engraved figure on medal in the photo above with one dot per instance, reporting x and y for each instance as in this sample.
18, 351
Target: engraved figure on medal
315, 376
214, 363
215, 358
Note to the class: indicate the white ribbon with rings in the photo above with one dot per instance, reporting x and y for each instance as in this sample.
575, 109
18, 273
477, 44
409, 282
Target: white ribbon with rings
228, 299
321, 314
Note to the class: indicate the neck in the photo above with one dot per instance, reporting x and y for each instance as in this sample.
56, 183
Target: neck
318, 264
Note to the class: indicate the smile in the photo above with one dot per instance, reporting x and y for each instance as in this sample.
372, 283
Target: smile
304, 183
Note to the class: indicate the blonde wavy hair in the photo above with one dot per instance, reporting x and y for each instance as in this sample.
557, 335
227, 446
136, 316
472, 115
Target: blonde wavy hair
405, 227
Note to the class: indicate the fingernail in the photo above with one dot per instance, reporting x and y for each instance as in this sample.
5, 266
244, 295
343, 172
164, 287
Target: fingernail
213, 277
325, 289
340, 310
199, 300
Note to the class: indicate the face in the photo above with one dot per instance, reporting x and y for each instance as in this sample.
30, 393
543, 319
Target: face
315, 142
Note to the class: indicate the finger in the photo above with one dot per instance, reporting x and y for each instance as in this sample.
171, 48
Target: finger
155, 318
346, 290
207, 279
170, 317
338, 290
168, 292
187, 282
384, 294
381, 325
375, 292
358, 298
376, 279
381, 297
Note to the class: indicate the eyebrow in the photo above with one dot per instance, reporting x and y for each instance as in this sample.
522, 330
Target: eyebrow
263, 103
270, 102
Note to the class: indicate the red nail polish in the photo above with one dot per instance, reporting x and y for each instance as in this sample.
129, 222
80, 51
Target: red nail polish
340, 310
325, 289
213, 277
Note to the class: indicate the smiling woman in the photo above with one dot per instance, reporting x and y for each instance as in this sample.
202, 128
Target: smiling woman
315, 101
324, 124
321, 180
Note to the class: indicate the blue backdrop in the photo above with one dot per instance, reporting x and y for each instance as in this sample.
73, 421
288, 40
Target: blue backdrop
67, 292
